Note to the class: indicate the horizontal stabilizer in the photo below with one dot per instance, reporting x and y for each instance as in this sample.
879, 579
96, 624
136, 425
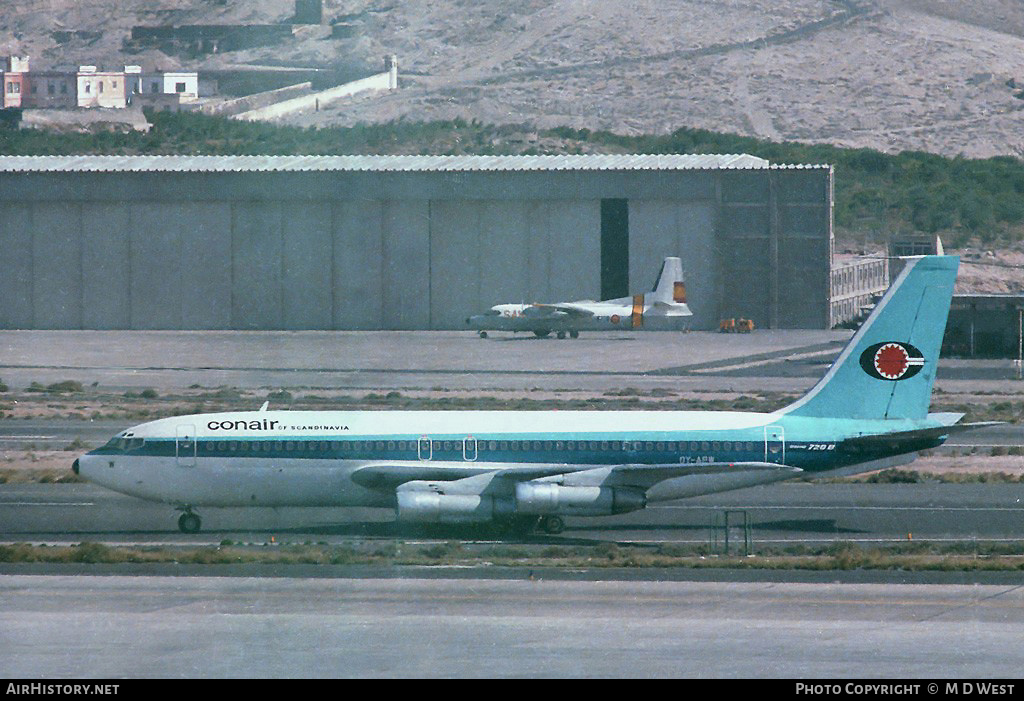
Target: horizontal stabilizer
669, 309
916, 439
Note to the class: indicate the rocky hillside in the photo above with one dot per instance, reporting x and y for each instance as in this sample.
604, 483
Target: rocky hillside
937, 75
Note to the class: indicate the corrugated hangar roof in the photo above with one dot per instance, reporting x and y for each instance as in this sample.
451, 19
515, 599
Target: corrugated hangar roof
21, 164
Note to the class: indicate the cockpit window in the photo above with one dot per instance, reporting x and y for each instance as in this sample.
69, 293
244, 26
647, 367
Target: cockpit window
122, 443
117, 443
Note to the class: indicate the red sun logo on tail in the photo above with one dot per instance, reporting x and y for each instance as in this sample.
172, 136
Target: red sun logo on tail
892, 361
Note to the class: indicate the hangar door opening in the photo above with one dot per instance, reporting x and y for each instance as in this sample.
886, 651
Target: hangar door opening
614, 249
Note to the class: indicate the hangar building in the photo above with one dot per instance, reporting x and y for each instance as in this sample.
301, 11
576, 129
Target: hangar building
402, 242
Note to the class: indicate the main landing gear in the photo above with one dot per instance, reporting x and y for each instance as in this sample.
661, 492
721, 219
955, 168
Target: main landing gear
543, 333
525, 525
189, 522
552, 525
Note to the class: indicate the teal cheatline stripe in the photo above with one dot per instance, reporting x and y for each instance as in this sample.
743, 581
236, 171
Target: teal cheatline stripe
888, 368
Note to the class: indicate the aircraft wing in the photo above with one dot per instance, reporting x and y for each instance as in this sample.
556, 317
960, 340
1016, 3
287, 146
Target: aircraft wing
498, 478
385, 477
572, 309
543, 311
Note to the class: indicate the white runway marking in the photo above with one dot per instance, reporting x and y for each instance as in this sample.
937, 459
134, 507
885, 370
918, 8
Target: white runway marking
47, 503
845, 508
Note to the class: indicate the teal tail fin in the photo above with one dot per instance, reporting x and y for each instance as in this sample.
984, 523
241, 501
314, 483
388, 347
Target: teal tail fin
888, 368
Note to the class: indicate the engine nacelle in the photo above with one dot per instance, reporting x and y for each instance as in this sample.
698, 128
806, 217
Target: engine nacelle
423, 506
546, 498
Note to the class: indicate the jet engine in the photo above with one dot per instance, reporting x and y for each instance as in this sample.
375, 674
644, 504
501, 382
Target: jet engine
427, 506
546, 498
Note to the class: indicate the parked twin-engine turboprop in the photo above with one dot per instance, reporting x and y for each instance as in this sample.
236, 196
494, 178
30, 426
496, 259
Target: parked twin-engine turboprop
668, 299
523, 469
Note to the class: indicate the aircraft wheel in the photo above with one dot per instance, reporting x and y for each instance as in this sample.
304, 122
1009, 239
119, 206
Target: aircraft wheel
552, 525
542, 334
189, 522
574, 334
483, 334
561, 334
518, 525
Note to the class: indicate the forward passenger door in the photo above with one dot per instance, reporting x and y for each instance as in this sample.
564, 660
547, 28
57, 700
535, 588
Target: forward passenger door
185, 445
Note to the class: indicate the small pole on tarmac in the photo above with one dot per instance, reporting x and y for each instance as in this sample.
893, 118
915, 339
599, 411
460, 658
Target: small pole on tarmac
1020, 340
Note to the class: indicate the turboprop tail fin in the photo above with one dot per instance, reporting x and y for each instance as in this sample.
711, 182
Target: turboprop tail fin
669, 293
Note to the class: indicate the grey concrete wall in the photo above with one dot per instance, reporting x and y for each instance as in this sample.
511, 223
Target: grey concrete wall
661, 228
775, 243
491, 252
206, 271
805, 240
156, 260
57, 273
358, 263
400, 250
106, 268
405, 245
17, 259
573, 248
307, 242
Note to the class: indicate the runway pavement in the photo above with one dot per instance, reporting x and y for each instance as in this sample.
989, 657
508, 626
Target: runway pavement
452, 623
215, 627
783, 361
780, 514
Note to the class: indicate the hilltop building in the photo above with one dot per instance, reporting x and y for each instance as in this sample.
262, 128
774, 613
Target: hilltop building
90, 87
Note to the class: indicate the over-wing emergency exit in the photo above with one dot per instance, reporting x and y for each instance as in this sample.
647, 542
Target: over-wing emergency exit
667, 299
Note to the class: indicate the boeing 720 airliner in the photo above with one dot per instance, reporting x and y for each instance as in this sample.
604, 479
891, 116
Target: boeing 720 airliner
522, 469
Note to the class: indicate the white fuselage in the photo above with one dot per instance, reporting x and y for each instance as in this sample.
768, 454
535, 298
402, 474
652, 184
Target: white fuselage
299, 458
